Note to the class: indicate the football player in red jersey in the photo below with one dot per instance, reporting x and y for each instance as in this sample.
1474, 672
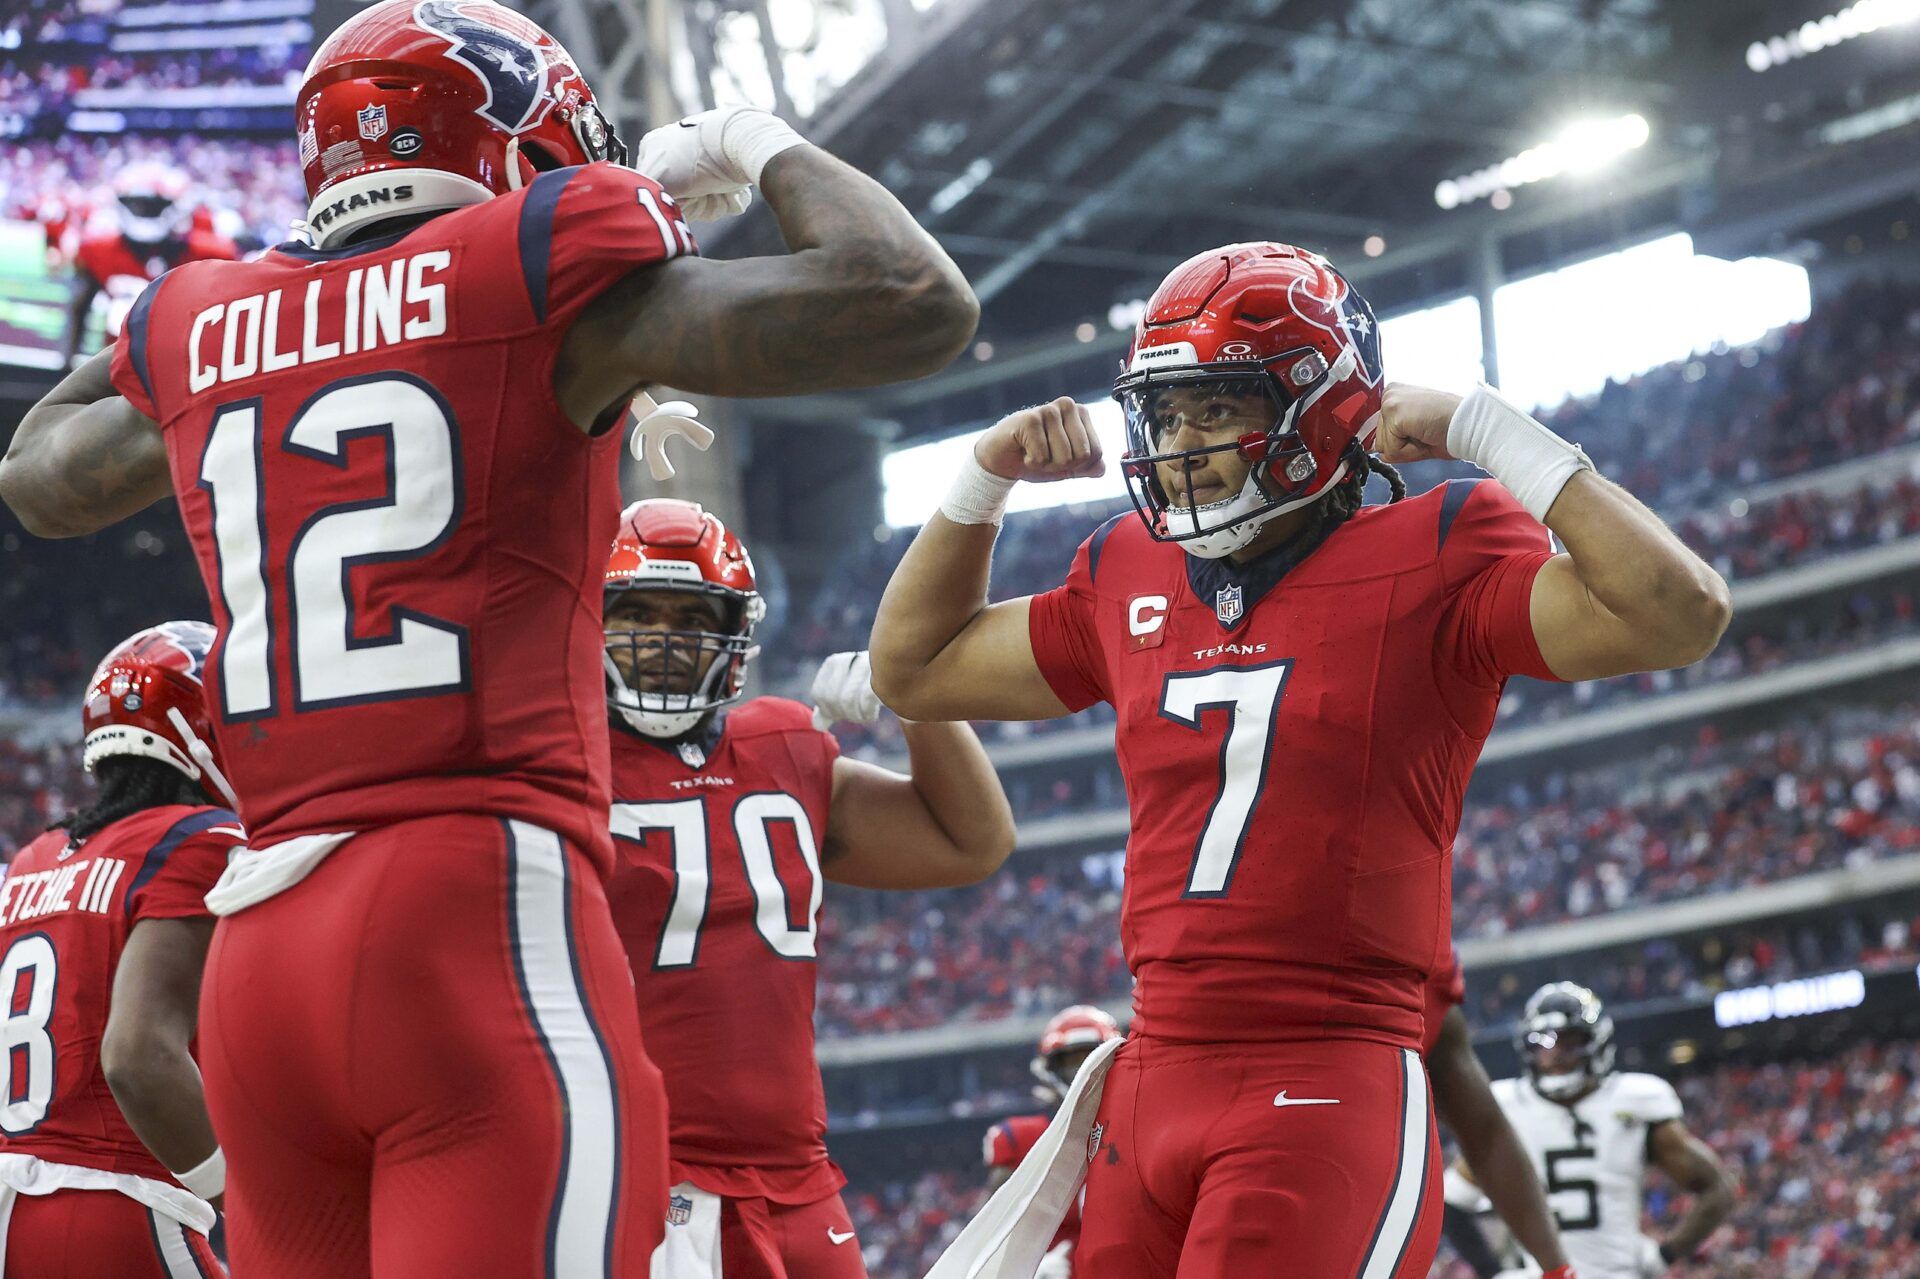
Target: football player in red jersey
1070, 1037
103, 931
727, 817
1303, 684
395, 455
1463, 1101
153, 227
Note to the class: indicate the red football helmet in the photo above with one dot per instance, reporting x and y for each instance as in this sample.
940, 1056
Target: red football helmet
1073, 1032
146, 698
1264, 319
420, 105
665, 544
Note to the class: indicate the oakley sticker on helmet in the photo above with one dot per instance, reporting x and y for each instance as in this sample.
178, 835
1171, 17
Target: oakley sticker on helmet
511, 67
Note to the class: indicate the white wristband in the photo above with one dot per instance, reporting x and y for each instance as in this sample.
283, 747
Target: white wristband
978, 496
752, 138
209, 1178
1508, 444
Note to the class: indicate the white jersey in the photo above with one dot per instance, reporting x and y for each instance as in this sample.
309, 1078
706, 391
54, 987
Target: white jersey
1592, 1161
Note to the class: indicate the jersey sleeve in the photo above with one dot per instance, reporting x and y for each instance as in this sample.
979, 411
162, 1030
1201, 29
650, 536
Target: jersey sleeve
1066, 641
1653, 1099
1000, 1150
1491, 550
583, 229
180, 868
132, 367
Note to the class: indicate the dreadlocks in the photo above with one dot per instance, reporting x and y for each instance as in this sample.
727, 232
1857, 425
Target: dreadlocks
127, 784
1350, 494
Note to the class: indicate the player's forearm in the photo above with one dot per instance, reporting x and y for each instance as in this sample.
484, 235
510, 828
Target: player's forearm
1634, 565
938, 589
1503, 1171
1711, 1206
892, 304
82, 458
962, 793
1493, 1152
159, 1091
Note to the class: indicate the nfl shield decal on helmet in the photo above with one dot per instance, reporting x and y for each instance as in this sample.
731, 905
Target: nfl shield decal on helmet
373, 121
679, 1210
1229, 604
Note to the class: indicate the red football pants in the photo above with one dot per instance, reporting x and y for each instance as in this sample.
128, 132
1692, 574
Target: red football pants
1312, 1160
90, 1234
760, 1239
424, 1062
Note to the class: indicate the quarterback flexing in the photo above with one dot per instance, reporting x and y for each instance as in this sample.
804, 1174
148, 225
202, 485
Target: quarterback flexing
727, 817
394, 451
1592, 1132
1303, 684
107, 1157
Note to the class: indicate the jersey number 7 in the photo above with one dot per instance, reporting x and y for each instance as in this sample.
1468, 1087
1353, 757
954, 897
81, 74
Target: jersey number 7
1250, 696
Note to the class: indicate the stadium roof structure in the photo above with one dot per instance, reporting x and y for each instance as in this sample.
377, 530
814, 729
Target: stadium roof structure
1067, 154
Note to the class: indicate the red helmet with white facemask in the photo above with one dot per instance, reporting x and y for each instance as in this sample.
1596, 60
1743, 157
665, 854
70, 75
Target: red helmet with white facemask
665, 544
146, 698
416, 106
1260, 319
1074, 1032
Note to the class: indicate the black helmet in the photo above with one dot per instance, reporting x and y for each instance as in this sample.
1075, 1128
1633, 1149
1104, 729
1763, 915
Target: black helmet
1565, 1015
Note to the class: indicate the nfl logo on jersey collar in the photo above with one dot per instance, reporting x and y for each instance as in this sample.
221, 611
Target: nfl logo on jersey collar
1229, 604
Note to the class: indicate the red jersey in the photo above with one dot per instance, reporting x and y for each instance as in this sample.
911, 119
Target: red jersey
402, 534
1296, 736
66, 911
716, 893
123, 268
1007, 1144
1445, 990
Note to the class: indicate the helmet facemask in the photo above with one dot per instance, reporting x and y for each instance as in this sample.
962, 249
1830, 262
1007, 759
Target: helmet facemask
1565, 1041
1283, 476
654, 678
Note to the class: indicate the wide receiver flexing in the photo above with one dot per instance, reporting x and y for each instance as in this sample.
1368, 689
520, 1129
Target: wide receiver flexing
107, 1157
394, 455
727, 817
1302, 685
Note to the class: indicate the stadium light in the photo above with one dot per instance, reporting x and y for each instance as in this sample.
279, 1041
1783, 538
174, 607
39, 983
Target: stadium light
1809, 38
1582, 147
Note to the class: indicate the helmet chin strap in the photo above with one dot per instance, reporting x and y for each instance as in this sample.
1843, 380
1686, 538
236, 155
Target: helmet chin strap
203, 756
513, 163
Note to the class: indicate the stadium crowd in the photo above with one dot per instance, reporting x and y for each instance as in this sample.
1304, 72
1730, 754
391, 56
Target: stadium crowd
1842, 790
1825, 1153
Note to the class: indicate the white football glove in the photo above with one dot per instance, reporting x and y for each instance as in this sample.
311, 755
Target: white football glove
710, 162
843, 691
1057, 1264
658, 423
1648, 1261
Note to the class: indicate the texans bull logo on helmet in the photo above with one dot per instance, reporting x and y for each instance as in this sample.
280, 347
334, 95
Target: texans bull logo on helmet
508, 63
1347, 317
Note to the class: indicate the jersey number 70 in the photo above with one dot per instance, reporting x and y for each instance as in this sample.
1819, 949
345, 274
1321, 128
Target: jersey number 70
1250, 695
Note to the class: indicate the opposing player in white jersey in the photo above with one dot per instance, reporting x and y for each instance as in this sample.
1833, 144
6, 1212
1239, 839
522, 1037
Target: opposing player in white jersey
1594, 1132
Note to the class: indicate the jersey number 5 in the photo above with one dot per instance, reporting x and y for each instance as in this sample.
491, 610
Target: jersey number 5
332, 665
1250, 696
